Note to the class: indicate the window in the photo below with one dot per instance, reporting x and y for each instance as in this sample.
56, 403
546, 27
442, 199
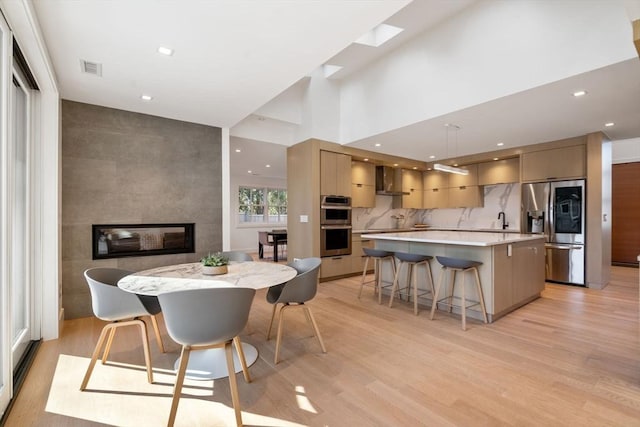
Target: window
262, 205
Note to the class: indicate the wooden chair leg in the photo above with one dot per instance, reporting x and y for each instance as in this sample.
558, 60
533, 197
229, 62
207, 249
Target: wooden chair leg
107, 348
145, 346
243, 361
315, 328
273, 315
177, 389
156, 329
94, 358
233, 384
279, 336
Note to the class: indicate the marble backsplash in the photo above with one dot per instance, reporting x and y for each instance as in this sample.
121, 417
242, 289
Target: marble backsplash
497, 198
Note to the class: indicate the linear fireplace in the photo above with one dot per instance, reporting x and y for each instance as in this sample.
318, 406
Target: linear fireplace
124, 240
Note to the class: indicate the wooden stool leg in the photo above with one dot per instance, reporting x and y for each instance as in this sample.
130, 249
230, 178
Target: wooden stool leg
394, 287
453, 287
415, 289
364, 275
484, 310
443, 271
464, 302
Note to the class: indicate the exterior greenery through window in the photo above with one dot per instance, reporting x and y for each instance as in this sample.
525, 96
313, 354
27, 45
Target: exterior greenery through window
262, 205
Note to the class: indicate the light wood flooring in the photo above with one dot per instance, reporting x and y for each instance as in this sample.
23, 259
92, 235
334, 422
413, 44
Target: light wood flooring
570, 358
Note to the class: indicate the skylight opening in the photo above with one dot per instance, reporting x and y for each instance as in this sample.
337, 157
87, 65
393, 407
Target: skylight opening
330, 70
379, 35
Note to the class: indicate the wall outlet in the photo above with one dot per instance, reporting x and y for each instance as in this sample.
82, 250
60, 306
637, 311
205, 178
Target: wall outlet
304, 218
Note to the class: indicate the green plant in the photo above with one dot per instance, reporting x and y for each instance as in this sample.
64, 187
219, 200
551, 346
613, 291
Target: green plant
214, 260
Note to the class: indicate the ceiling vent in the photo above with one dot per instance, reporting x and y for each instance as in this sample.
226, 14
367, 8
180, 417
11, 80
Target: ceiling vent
91, 67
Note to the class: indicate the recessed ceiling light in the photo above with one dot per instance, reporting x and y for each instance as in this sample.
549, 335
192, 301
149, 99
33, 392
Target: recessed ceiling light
238, 150
366, 160
579, 93
415, 167
495, 158
428, 169
249, 172
146, 97
378, 145
267, 166
432, 157
455, 165
165, 51
395, 164
500, 144
609, 124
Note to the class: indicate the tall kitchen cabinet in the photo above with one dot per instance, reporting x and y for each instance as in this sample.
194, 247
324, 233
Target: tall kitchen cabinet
363, 185
412, 184
335, 174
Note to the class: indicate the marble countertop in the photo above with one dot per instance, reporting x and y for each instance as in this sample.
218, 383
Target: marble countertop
256, 275
462, 238
435, 228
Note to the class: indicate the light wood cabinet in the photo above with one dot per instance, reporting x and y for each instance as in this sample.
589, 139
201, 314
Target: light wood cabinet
435, 194
335, 173
465, 197
363, 185
435, 198
499, 172
456, 180
335, 266
556, 163
519, 277
412, 183
435, 179
357, 256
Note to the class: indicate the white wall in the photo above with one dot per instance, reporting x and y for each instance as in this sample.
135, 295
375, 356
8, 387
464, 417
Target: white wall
245, 237
625, 151
490, 50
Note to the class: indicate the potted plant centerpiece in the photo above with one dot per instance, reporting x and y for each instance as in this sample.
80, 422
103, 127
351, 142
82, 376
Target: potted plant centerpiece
214, 264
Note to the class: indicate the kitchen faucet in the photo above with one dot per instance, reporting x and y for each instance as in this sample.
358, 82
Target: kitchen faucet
504, 223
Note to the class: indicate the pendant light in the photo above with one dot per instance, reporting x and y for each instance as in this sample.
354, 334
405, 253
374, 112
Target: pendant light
447, 168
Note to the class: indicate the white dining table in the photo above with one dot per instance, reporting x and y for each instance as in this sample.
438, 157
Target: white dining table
209, 364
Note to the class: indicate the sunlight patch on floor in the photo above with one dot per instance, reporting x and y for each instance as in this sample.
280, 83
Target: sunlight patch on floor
119, 394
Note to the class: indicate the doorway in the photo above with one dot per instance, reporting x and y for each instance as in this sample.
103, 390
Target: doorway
625, 234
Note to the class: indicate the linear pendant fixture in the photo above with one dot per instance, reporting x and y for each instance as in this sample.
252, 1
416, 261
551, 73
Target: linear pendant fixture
450, 169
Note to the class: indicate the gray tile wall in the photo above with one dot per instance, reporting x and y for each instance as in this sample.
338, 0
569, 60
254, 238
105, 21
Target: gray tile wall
124, 167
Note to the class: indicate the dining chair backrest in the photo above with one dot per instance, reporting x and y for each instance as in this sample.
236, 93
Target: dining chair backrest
206, 316
264, 238
237, 256
304, 286
108, 301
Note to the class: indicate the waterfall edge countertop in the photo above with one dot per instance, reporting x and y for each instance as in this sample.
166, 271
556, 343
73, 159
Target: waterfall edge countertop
463, 238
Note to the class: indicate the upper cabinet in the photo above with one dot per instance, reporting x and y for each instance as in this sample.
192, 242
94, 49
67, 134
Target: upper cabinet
499, 172
412, 183
457, 180
556, 163
363, 185
435, 192
335, 173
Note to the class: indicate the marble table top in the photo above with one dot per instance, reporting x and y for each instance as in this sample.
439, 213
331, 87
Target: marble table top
256, 275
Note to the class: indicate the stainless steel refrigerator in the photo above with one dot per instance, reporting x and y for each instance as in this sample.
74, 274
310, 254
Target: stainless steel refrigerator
557, 210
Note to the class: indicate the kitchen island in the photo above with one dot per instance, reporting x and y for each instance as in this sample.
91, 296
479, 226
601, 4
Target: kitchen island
512, 270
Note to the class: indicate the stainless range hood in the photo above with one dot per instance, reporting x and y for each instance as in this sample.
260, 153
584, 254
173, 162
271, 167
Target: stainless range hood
389, 181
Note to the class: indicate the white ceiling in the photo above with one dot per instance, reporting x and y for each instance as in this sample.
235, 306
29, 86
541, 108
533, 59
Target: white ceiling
233, 56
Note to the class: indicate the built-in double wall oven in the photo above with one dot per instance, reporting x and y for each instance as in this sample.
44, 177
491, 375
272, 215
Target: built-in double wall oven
335, 225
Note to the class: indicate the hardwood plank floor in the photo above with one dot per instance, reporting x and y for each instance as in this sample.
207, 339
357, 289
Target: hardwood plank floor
570, 358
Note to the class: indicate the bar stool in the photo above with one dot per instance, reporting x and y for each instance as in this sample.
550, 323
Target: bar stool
378, 256
412, 260
465, 266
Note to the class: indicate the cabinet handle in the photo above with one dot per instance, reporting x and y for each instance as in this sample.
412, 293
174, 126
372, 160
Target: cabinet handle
463, 187
434, 190
358, 185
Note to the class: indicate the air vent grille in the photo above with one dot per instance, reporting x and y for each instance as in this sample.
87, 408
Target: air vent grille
91, 67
